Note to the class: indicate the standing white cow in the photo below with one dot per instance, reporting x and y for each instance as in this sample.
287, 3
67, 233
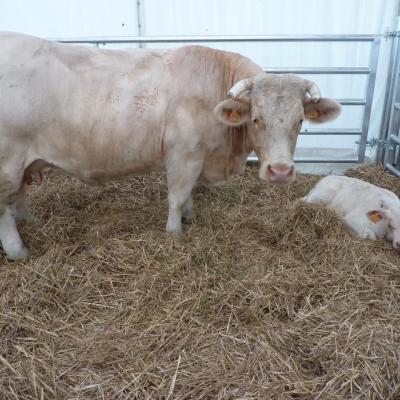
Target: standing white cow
103, 114
370, 211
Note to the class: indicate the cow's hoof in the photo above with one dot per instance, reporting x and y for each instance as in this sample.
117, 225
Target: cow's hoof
187, 219
177, 235
17, 255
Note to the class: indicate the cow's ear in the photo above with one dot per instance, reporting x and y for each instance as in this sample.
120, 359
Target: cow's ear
321, 111
376, 216
233, 112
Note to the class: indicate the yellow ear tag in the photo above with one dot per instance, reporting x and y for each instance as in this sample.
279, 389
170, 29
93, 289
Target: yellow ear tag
313, 114
375, 217
234, 117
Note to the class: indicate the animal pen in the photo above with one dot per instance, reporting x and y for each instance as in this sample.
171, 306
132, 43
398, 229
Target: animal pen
264, 299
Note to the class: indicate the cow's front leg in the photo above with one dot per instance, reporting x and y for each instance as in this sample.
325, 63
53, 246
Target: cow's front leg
182, 174
9, 236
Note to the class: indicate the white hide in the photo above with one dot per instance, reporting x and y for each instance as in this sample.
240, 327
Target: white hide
368, 210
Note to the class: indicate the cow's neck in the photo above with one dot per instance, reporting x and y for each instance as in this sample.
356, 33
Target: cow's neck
237, 139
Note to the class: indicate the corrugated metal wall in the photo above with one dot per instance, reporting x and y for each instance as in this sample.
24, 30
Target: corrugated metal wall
74, 18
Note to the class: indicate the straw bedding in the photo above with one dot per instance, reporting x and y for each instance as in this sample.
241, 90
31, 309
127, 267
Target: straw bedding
262, 300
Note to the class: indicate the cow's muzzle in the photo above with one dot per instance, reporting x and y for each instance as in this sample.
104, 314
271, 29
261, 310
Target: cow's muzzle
280, 173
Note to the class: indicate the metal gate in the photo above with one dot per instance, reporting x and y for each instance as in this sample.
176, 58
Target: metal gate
389, 151
369, 70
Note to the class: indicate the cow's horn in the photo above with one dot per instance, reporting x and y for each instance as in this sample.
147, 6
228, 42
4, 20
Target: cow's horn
238, 88
313, 90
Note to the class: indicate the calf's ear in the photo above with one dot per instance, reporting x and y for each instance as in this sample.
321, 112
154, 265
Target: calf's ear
321, 111
233, 112
376, 216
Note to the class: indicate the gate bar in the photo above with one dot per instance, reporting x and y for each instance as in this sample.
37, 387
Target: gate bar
370, 71
352, 102
393, 170
337, 132
254, 159
321, 70
209, 39
395, 139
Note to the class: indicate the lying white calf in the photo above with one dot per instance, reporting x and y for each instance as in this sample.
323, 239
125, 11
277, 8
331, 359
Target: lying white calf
370, 211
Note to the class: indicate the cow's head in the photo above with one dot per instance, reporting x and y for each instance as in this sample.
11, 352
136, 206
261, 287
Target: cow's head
274, 107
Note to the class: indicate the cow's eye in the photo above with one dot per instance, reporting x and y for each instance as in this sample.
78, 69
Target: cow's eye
301, 121
255, 121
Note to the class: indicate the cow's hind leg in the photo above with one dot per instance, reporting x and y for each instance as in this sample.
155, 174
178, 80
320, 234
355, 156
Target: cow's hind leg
188, 213
9, 236
182, 174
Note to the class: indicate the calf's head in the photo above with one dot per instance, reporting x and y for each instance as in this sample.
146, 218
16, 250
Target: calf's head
389, 215
274, 107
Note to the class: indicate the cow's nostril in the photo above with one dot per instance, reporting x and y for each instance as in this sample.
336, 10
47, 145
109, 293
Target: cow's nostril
270, 170
282, 170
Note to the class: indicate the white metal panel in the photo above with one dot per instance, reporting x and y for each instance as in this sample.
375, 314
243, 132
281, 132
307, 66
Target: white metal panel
236, 17
69, 18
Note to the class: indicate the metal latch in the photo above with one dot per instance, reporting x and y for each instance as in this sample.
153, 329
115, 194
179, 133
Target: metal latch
389, 34
373, 142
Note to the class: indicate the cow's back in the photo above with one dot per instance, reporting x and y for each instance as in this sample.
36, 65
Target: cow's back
101, 109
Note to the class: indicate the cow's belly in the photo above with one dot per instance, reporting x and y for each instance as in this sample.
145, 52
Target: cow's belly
99, 156
101, 176
93, 176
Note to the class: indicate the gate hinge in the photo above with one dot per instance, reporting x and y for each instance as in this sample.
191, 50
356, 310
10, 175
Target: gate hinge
373, 142
390, 34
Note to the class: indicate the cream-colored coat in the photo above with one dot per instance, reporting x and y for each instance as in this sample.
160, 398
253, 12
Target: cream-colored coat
103, 114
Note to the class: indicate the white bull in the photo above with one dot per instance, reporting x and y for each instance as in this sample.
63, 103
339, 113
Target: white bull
103, 114
368, 210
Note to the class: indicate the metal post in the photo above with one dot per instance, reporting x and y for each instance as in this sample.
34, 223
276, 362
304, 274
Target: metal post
373, 63
390, 144
139, 20
389, 93
394, 121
